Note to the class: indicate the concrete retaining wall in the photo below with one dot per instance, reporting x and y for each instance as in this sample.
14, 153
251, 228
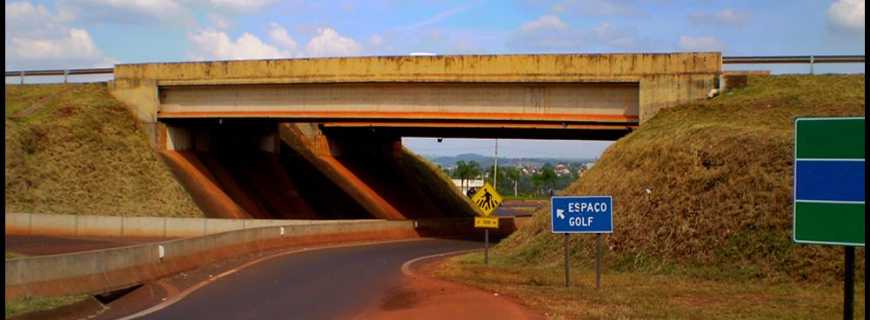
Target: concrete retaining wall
98, 271
113, 226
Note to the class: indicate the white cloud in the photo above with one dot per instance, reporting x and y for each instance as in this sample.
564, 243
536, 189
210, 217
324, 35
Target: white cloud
703, 43
547, 32
613, 37
376, 40
37, 39
76, 44
543, 23
28, 18
210, 44
329, 43
279, 35
24, 11
725, 17
847, 15
155, 8
214, 44
550, 33
241, 5
219, 21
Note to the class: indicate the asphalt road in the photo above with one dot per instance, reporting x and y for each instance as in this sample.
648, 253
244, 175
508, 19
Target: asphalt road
320, 284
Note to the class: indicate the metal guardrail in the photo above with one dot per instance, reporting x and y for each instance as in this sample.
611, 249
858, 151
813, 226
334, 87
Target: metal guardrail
812, 60
64, 73
793, 59
725, 60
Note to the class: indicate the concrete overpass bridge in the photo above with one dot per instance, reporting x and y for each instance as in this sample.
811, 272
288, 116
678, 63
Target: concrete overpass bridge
321, 138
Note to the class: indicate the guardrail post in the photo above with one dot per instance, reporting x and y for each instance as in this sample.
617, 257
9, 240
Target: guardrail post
812, 62
65, 76
22, 77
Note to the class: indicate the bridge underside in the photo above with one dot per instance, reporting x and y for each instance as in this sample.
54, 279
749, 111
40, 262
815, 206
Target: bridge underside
275, 168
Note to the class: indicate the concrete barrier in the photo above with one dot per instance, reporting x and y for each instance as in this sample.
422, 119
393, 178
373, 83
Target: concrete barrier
91, 225
114, 226
93, 272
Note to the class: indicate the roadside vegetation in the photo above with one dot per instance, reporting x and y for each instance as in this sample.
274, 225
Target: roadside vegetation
13, 255
702, 195
513, 182
28, 305
74, 149
641, 295
436, 182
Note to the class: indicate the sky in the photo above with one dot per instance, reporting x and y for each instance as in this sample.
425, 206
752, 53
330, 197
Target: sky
99, 33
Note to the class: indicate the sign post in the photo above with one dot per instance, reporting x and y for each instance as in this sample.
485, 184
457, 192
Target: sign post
582, 214
829, 189
597, 260
567, 270
487, 200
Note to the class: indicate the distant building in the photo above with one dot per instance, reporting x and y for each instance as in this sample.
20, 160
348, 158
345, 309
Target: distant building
470, 183
561, 170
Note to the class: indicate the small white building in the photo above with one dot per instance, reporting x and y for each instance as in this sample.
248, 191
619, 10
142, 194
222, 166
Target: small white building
469, 183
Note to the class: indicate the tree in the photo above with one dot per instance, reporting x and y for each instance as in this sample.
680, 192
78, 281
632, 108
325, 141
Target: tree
460, 173
466, 170
546, 178
474, 169
513, 174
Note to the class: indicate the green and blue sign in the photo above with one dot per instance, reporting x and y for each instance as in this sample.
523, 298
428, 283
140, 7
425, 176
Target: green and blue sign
829, 181
586, 214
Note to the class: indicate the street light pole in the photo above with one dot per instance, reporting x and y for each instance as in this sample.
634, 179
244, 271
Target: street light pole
495, 168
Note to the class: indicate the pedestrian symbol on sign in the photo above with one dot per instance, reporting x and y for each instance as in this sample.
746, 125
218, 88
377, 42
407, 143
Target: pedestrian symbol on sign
487, 199
486, 202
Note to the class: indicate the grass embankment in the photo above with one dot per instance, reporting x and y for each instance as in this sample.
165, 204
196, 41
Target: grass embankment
641, 295
717, 217
436, 183
74, 149
13, 255
28, 305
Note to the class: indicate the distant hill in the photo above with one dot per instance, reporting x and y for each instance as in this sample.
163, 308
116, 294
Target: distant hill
486, 161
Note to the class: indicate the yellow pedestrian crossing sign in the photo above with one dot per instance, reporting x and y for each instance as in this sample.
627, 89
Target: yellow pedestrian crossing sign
486, 199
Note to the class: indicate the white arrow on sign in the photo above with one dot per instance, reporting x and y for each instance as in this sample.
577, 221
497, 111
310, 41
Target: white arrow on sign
560, 213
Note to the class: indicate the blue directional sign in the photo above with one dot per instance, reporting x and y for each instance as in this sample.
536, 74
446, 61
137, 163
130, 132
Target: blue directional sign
586, 214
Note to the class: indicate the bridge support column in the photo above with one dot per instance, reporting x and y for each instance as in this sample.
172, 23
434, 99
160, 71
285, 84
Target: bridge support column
310, 143
384, 178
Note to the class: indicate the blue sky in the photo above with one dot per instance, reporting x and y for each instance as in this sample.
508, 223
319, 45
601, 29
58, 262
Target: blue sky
89, 33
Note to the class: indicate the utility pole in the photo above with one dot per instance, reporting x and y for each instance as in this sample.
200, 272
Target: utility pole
495, 168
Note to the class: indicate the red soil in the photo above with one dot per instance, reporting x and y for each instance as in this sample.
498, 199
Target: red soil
421, 296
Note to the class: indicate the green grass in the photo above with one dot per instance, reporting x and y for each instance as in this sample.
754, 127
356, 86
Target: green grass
27, 305
524, 197
12, 255
74, 149
640, 295
719, 173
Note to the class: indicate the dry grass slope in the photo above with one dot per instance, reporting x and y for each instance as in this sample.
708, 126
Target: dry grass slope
73, 149
719, 174
436, 183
